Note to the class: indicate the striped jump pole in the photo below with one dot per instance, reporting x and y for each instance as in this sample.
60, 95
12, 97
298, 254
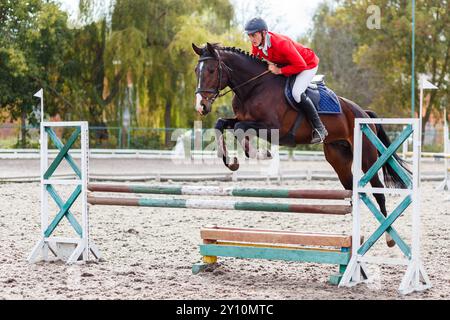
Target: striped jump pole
221, 191
220, 205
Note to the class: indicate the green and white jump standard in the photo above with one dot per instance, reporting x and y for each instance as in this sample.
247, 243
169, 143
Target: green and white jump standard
81, 245
415, 278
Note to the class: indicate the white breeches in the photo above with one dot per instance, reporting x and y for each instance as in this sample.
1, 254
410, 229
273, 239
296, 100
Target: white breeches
302, 81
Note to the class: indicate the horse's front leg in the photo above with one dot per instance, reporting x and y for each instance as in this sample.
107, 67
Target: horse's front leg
245, 131
221, 126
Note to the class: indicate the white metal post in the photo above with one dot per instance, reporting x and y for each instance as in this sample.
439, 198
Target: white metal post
415, 278
352, 274
84, 182
44, 194
357, 174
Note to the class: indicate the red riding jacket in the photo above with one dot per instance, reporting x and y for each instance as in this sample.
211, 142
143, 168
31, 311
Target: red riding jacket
281, 50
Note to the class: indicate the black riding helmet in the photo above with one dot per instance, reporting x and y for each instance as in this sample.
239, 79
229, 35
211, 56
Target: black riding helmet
255, 25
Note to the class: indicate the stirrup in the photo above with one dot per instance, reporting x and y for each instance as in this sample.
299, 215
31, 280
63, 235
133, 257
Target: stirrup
321, 137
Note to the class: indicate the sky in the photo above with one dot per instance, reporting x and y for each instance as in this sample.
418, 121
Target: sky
290, 17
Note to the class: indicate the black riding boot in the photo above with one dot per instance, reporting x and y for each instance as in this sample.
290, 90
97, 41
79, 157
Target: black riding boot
319, 131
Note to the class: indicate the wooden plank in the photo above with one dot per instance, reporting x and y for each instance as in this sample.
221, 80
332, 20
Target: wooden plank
276, 246
341, 258
275, 236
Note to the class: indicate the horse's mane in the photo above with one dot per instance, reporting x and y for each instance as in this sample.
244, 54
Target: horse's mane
240, 52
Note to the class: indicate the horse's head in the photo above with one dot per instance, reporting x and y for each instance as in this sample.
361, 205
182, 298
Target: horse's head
211, 77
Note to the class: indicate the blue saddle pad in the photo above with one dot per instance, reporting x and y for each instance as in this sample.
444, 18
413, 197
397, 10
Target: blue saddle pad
324, 99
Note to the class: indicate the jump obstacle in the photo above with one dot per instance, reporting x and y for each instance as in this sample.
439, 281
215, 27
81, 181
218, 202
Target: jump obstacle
262, 244
347, 251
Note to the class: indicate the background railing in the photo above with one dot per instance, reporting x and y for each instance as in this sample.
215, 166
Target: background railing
137, 138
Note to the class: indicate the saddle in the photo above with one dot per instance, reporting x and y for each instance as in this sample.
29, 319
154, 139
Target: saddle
323, 98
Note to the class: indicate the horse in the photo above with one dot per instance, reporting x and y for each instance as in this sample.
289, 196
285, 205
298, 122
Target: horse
259, 103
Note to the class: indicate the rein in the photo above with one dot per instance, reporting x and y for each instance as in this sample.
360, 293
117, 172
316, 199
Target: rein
244, 83
216, 91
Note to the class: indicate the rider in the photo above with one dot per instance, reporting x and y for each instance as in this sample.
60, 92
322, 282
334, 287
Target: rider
297, 59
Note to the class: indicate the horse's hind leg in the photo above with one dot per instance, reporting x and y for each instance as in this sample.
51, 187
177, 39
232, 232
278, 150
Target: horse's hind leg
340, 156
370, 155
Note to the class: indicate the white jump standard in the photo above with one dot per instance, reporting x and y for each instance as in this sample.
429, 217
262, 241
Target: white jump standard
415, 278
82, 246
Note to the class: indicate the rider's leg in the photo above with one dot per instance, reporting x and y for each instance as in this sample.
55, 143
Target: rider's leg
302, 81
319, 131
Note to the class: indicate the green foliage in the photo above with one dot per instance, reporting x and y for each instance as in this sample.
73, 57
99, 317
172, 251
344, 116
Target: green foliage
373, 66
146, 58
33, 42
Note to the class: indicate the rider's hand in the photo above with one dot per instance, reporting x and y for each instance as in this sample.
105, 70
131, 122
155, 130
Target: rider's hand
274, 69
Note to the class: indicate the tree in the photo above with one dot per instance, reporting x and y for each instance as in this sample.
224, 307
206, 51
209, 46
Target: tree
34, 39
146, 57
384, 55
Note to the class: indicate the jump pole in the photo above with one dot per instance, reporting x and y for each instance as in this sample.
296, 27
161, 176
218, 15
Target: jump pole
222, 191
220, 205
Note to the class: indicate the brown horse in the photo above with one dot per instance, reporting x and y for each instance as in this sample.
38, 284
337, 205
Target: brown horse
259, 103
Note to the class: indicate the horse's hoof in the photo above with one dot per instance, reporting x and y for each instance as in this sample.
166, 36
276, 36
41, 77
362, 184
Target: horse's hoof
233, 166
390, 243
263, 155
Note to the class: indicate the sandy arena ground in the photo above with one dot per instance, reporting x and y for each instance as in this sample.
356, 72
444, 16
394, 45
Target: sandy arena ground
148, 252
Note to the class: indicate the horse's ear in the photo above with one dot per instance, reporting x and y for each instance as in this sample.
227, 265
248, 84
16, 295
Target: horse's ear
197, 50
211, 49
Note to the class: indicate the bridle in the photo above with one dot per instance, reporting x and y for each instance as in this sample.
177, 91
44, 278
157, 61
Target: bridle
216, 91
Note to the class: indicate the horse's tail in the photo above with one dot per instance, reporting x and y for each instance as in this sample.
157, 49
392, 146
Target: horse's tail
391, 177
